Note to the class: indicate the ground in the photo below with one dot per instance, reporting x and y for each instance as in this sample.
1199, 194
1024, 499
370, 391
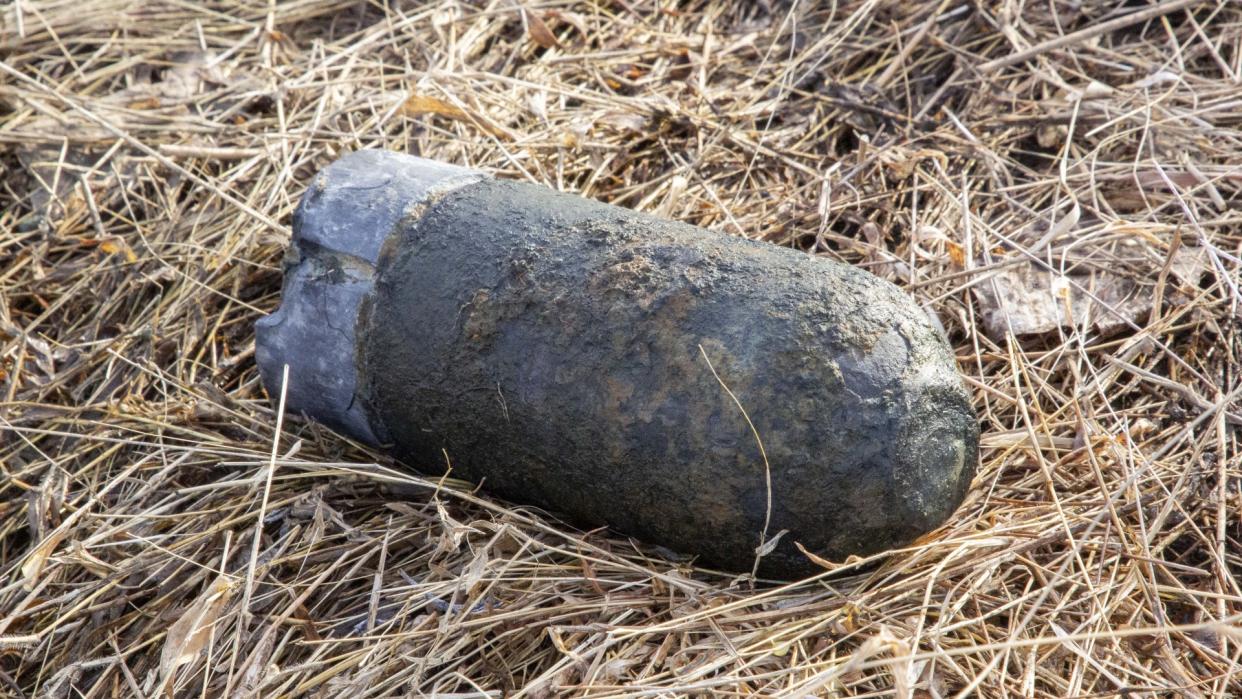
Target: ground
1058, 183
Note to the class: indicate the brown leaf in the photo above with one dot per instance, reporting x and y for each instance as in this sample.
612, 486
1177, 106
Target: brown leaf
416, 105
38, 557
572, 18
258, 668
1033, 301
452, 531
189, 634
902, 161
539, 32
817, 560
90, 562
145, 103
623, 121
957, 254
113, 246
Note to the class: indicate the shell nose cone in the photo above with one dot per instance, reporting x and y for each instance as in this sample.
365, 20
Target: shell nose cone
937, 445
910, 395
901, 453
899, 468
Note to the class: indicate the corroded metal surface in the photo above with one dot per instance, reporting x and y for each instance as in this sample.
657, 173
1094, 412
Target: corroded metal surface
561, 352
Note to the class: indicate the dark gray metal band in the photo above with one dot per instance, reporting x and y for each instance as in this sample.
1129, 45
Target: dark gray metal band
347, 213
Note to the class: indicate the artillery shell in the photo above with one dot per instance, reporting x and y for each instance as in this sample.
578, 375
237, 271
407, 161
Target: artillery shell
699, 391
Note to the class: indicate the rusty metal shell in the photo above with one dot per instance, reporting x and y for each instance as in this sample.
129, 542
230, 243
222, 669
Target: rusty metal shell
624, 369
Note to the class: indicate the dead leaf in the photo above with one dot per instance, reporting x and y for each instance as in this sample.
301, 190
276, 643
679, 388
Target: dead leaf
537, 102
957, 254
572, 18
44, 503
897, 647
474, 572
770, 545
623, 121
673, 197
901, 161
615, 669
38, 557
145, 103
113, 246
417, 105
91, 563
817, 560
257, 668
402, 508
1050, 135
1030, 300
182, 78
452, 531
189, 634
1096, 90
1064, 225
539, 32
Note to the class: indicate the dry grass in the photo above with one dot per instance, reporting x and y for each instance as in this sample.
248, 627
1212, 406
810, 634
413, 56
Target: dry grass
153, 152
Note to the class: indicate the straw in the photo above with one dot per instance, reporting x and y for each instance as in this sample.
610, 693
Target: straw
160, 537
